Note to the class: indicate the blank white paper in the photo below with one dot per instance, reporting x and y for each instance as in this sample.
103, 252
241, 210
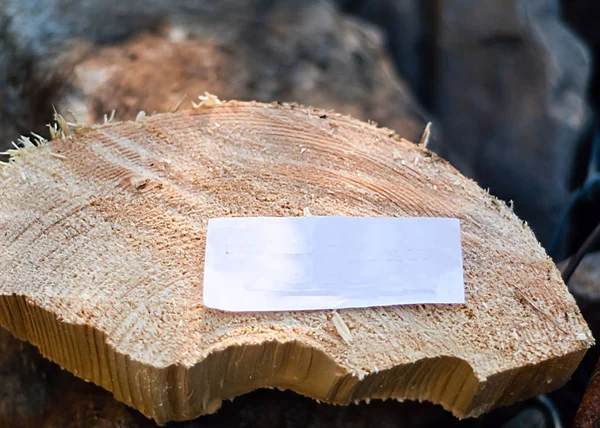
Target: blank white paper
304, 263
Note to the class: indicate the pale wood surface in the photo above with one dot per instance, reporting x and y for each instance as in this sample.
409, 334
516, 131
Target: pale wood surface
103, 233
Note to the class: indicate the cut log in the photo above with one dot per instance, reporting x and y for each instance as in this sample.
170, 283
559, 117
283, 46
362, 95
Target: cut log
103, 234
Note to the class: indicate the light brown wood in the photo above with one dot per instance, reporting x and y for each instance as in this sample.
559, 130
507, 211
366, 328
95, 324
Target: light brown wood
102, 237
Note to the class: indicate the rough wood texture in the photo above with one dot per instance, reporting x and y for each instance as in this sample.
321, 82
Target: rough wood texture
103, 235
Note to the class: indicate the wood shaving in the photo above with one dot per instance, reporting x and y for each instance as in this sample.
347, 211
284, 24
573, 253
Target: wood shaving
207, 100
23, 146
425, 137
342, 328
176, 106
63, 125
109, 119
524, 298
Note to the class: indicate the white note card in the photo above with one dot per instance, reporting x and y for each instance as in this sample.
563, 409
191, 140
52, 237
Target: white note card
304, 263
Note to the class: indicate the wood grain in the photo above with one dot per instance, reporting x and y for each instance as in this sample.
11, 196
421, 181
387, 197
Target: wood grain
103, 235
